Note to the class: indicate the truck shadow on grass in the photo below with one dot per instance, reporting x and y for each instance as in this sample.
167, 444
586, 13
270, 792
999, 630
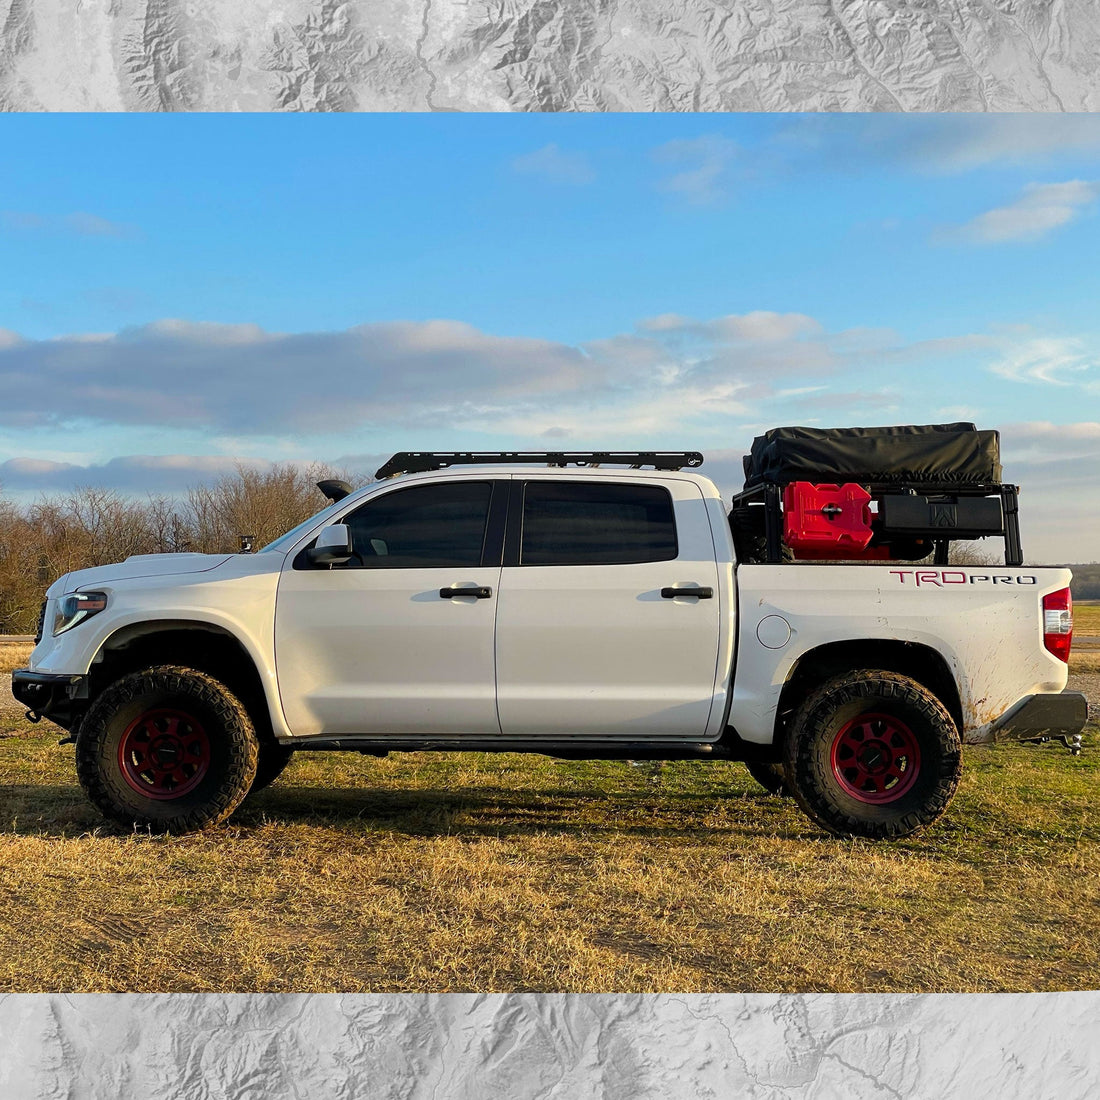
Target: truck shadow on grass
63, 812
492, 811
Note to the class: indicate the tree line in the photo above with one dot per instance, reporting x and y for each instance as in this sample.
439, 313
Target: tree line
94, 526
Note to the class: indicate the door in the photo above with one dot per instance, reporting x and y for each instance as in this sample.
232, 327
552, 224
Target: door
592, 638
400, 640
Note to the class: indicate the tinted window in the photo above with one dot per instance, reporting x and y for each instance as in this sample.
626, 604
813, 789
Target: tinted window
583, 523
422, 527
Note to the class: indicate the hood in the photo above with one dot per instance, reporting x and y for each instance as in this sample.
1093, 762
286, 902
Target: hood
138, 565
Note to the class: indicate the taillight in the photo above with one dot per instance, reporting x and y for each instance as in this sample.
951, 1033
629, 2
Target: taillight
1058, 623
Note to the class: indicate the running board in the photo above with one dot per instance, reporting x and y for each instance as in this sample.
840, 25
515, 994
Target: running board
565, 750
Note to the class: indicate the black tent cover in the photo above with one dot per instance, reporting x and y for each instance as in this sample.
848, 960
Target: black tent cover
924, 454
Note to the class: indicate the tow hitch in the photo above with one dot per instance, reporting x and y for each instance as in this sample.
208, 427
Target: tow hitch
1072, 741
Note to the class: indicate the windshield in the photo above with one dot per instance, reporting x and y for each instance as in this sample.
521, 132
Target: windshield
283, 541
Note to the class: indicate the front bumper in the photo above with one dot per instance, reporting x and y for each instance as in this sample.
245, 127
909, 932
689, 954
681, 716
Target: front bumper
55, 696
1063, 716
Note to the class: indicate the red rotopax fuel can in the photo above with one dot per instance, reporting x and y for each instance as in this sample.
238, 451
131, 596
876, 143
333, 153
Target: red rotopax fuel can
827, 521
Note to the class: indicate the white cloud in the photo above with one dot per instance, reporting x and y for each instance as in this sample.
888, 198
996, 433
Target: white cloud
1047, 359
1058, 469
240, 379
80, 222
963, 142
1042, 440
760, 325
92, 225
555, 164
129, 473
240, 387
1042, 208
703, 167
935, 143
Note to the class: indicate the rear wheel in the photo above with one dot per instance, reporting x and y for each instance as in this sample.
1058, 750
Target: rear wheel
771, 776
873, 754
168, 749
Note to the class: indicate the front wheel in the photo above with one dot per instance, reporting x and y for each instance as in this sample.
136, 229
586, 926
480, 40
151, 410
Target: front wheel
169, 749
873, 754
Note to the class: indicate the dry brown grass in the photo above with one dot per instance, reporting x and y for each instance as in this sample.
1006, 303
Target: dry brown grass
476, 872
13, 655
1086, 617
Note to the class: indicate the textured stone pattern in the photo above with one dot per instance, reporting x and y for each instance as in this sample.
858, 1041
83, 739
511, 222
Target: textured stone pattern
550, 55
533, 1046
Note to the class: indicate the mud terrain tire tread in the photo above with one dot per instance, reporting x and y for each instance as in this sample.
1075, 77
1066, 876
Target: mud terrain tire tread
231, 732
810, 739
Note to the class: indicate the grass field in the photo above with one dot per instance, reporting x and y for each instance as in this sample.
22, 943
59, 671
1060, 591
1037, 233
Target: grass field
1086, 617
501, 872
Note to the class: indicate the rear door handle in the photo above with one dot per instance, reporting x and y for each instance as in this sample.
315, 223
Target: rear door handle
481, 593
699, 593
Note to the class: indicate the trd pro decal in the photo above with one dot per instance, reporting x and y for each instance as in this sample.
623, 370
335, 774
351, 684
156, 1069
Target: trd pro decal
941, 578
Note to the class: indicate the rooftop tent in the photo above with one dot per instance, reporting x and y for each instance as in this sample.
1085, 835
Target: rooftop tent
946, 455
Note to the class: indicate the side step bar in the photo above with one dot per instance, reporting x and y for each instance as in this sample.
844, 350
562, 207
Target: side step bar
565, 750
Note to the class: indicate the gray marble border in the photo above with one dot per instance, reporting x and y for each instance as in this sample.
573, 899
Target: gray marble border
550, 55
565, 1046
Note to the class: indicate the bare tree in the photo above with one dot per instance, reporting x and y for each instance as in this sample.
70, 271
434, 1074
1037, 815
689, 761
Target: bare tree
93, 526
262, 504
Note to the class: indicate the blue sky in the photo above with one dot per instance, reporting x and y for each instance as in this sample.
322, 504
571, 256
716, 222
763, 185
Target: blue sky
336, 287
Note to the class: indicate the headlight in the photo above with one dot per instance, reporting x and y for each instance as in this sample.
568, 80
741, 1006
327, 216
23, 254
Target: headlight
73, 610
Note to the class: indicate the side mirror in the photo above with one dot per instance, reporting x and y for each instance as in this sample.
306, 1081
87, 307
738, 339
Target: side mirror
333, 546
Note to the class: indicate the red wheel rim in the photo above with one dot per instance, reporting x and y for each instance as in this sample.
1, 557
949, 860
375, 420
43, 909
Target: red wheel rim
875, 758
164, 753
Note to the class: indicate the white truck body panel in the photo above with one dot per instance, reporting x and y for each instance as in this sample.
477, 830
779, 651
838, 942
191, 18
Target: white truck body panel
376, 651
986, 623
595, 651
588, 651
235, 595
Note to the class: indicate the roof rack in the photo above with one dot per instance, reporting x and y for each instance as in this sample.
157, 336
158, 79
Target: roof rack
415, 462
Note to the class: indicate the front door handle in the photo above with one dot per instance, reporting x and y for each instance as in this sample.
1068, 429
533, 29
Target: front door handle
481, 593
699, 593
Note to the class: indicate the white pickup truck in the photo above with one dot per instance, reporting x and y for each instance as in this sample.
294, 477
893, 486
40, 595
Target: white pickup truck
569, 609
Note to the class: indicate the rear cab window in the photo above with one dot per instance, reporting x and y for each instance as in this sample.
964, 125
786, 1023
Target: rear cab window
596, 523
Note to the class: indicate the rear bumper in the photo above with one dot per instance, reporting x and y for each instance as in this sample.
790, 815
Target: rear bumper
57, 697
1062, 715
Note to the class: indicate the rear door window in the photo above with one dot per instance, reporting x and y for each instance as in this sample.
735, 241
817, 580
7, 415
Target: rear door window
596, 523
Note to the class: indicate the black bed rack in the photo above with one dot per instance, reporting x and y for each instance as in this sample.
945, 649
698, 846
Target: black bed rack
416, 462
942, 531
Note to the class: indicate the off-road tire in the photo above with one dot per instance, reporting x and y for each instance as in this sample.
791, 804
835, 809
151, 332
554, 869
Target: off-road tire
272, 762
909, 712
771, 776
217, 786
